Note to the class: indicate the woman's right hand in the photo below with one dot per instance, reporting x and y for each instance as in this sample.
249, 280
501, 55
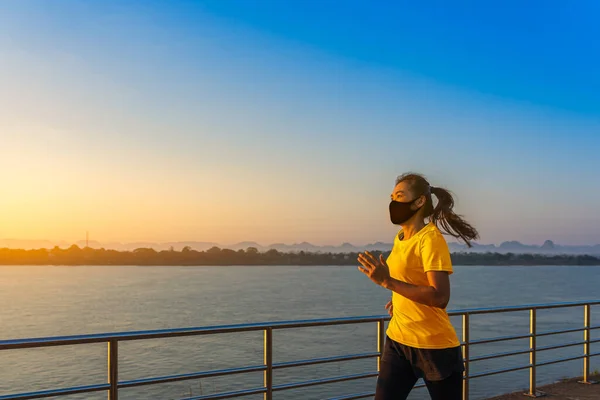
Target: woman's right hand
390, 308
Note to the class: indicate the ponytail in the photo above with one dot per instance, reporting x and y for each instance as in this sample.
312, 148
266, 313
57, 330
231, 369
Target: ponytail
448, 221
443, 215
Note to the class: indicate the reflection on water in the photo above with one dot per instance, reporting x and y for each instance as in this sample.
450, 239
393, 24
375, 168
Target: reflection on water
45, 301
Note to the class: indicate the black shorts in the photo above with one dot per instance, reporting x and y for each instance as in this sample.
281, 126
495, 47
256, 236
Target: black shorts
429, 364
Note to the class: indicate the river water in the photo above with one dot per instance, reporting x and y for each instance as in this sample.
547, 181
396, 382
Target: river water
48, 301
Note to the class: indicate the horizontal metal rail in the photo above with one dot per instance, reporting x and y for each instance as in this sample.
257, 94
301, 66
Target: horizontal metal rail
499, 371
498, 339
323, 381
561, 360
560, 332
559, 346
228, 395
499, 355
540, 364
179, 332
325, 360
527, 307
57, 392
269, 366
185, 377
356, 396
527, 351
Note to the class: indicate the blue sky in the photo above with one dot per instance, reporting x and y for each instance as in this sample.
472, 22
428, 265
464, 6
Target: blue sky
288, 121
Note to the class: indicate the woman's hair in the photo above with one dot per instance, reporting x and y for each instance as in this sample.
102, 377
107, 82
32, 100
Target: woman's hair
442, 215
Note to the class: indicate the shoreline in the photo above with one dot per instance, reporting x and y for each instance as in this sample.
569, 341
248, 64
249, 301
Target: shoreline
76, 256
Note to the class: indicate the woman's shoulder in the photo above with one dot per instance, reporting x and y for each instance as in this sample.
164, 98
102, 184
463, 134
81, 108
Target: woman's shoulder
431, 229
432, 234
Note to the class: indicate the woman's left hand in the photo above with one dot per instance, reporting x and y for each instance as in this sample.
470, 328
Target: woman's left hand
376, 270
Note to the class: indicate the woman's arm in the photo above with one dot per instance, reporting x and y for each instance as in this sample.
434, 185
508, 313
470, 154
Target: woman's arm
437, 294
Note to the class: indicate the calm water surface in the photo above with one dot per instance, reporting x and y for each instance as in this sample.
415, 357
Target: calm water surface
47, 301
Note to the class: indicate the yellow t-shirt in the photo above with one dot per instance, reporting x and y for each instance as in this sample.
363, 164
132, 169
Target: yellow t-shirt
414, 324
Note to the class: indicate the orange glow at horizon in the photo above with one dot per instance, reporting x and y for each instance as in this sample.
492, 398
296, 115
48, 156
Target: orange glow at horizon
57, 194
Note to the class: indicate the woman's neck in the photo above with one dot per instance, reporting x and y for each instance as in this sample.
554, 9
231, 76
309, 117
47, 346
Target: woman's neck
411, 228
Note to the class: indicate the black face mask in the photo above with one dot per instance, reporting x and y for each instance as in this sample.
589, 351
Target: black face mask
400, 212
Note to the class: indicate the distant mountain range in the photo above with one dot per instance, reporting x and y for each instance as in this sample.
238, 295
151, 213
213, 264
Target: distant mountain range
548, 247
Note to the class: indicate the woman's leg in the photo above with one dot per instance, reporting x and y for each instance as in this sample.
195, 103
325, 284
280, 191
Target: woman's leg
450, 388
396, 377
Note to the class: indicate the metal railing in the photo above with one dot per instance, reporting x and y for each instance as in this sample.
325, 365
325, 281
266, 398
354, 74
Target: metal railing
268, 367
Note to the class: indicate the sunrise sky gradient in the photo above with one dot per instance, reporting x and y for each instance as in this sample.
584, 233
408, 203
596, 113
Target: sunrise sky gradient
280, 121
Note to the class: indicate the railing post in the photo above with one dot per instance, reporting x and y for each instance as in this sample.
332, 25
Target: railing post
465, 353
533, 392
380, 342
268, 357
587, 321
533, 351
113, 369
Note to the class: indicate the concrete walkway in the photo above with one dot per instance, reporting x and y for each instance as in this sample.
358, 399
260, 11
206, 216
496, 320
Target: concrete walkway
567, 390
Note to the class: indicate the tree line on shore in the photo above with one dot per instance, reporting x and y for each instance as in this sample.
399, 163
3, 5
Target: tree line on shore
215, 256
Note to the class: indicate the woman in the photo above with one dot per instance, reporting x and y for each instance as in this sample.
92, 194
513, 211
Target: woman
421, 342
